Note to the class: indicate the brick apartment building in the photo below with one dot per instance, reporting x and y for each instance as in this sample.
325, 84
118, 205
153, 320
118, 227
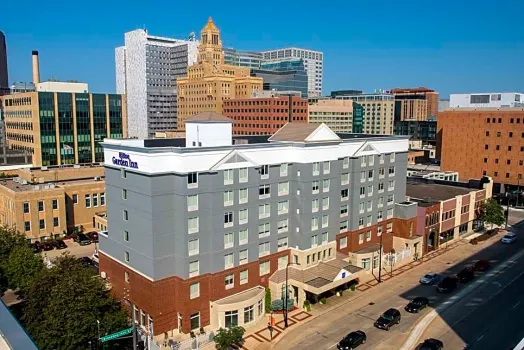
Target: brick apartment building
264, 115
483, 141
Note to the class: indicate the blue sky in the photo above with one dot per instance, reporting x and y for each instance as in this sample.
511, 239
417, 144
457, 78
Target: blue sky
451, 46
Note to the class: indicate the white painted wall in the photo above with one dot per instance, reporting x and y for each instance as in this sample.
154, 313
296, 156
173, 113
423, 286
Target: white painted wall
507, 100
208, 134
62, 86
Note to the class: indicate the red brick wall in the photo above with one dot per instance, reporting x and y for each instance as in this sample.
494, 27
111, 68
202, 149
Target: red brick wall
352, 241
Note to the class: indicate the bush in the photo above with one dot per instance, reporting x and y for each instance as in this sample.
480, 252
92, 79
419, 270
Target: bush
307, 305
268, 300
353, 287
224, 338
474, 241
323, 300
277, 305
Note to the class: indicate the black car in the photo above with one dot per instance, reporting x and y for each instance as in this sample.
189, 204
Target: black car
86, 261
387, 319
352, 340
431, 344
82, 239
447, 285
93, 236
417, 304
47, 246
59, 244
466, 274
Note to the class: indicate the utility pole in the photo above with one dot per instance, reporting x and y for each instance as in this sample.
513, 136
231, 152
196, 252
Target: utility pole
380, 260
507, 213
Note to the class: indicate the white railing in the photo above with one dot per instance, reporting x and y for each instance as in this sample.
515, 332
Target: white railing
198, 342
393, 259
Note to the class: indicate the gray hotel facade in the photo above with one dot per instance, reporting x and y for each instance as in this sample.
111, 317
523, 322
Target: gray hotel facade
196, 234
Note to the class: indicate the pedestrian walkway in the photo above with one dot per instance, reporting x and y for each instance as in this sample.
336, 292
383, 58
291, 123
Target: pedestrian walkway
262, 339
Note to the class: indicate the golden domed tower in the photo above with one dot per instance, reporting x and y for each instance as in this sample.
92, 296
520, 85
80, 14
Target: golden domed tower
210, 49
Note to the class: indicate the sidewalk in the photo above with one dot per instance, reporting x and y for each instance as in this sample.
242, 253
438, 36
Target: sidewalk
259, 339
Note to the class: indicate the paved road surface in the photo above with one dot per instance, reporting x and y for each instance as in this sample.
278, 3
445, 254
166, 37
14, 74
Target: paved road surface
325, 332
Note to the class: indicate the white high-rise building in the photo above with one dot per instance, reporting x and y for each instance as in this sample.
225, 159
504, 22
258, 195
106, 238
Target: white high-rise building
313, 62
146, 71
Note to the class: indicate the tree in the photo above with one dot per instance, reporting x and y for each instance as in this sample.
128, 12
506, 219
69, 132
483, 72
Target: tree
268, 300
492, 213
64, 303
224, 338
21, 268
9, 239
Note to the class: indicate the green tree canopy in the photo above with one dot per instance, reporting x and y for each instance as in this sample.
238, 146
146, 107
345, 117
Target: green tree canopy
9, 238
63, 306
225, 337
493, 213
22, 267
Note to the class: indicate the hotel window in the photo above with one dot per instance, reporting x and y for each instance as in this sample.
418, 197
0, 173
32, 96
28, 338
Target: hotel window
381, 172
283, 169
360, 238
264, 191
264, 268
192, 202
263, 249
344, 194
87, 199
362, 176
26, 208
263, 230
368, 236
228, 219
343, 226
362, 192
244, 280
315, 187
243, 257
344, 210
391, 199
324, 238
361, 222
325, 203
126, 276
344, 179
192, 225
283, 207
381, 158
368, 220
123, 173
194, 321
192, 180
242, 195
343, 242
228, 198
126, 215
194, 290
326, 167
242, 216
124, 194
391, 185
380, 187
345, 163
283, 188
229, 240
392, 157
370, 190
95, 200
314, 224
41, 205
371, 160
314, 241
102, 198
363, 161
126, 236
27, 226
391, 171
379, 230
370, 175
314, 205
75, 199
316, 169
55, 204
264, 210
193, 247
325, 185
228, 177
283, 226
282, 243
264, 171
56, 222
229, 281
242, 175
325, 221
127, 256
228, 261
390, 213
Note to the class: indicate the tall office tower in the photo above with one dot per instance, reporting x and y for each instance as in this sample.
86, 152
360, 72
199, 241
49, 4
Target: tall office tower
378, 111
415, 103
239, 58
146, 71
198, 232
284, 75
210, 81
4, 79
313, 62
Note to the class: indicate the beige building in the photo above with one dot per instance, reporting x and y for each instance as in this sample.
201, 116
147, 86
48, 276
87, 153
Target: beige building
63, 127
337, 114
378, 111
209, 81
413, 109
48, 202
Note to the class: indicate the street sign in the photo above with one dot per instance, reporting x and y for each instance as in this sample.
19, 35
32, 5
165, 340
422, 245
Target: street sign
115, 335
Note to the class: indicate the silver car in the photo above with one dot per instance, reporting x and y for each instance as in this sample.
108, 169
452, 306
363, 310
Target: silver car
430, 278
509, 238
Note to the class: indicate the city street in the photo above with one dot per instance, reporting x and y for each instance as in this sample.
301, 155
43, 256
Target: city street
325, 331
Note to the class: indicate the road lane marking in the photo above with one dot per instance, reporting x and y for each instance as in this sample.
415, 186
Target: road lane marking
517, 304
482, 336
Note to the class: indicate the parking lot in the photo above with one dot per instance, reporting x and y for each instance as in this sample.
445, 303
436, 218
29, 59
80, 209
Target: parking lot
73, 248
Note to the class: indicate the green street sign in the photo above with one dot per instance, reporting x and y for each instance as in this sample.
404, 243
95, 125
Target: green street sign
116, 335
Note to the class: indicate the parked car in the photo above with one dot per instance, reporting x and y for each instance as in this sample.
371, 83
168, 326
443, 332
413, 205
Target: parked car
447, 285
82, 239
93, 236
466, 275
430, 278
59, 244
482, 265
86, 261
509, 238
431, 344
417, 304
387, 319
47, 246
352, 340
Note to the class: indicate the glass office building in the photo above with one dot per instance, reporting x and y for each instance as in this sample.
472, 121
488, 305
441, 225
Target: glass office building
248, 59
285, 75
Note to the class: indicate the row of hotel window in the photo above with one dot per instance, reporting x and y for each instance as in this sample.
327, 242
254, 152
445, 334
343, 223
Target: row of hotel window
41, 224
90, 201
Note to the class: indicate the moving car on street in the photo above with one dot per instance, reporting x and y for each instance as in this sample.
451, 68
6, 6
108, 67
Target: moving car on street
466, 275
447, 285
431, 344
387, 319
430, 278
417, 304
352, 340
509, 238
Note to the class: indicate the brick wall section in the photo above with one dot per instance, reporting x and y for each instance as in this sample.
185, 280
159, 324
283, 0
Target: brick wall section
164, 299
353, 238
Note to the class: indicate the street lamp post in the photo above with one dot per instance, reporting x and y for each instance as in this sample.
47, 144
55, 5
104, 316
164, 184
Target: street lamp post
380, 261
507, 214
98, 327
286, 296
